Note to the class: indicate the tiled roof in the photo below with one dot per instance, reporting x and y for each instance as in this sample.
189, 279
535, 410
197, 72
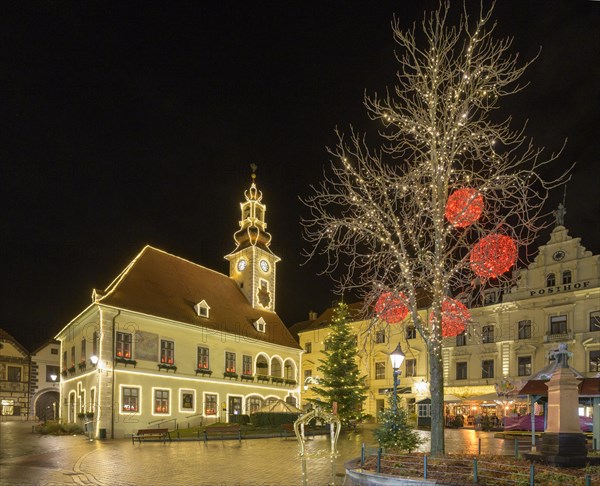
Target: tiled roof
163, 285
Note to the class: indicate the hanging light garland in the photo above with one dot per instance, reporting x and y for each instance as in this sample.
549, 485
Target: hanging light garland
493, 255
464, 207
390, 308
454, 317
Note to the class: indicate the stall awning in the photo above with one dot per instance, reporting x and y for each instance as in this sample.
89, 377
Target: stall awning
588, 387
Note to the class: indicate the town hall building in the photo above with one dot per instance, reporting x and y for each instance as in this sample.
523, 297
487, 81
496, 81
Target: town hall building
172, 343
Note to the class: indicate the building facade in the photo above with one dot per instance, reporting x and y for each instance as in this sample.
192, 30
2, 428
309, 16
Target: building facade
15, 369
171, 343
512, 332
44, 383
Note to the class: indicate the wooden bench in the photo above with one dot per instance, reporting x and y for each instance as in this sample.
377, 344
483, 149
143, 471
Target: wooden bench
229, 431
150, 434
287, 430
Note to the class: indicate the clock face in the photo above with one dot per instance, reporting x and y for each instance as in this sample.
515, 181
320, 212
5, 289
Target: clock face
241, 266
559, 255
264, 265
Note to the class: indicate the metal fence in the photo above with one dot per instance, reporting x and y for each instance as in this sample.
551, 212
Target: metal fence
482, 470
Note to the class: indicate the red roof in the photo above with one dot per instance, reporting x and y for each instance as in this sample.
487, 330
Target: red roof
163, 285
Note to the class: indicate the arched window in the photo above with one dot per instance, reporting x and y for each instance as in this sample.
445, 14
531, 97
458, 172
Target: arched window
253, 404
550, 280
566, 277
276, 368
262, 365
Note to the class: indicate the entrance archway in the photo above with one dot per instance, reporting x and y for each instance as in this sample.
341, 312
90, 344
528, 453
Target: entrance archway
46, 405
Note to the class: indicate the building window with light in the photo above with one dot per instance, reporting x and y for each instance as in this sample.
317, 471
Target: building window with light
411, 367
380, 337
550, 280
308, 348
411, 332
210, 404
558, 324
123, 349
161, 401
203, 361
461, 370
594, 361
524, 365
167, 351
461, 339
379, 371
524, 329
566, 277
487, 368
230, 362
130, 399
246, 365
595, 321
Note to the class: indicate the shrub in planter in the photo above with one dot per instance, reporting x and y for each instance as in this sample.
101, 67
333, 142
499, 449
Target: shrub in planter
266, 419
239, 419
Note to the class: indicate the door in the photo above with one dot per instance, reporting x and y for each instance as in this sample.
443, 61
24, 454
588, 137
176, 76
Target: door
235, 407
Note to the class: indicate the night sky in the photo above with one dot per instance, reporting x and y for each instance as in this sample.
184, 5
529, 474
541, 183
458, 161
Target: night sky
132, 123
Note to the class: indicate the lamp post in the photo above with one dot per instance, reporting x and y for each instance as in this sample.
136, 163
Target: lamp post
397, 357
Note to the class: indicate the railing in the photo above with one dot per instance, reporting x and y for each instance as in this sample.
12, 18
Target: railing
563, 336
459, 470
157, 423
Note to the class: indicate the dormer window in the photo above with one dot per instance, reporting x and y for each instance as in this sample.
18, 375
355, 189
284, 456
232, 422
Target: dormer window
202, 309
260, 325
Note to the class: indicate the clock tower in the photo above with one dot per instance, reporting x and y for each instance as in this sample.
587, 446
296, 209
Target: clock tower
252, 263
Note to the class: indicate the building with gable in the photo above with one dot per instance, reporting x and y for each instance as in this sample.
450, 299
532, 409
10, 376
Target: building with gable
512, 334
15, 369
172, 343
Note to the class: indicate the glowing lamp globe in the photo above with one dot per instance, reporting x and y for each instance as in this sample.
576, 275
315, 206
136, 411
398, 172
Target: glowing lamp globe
493, 255
391, 309
454, 317
464, 207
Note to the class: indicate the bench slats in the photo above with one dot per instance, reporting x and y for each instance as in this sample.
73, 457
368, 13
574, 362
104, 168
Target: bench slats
144, 434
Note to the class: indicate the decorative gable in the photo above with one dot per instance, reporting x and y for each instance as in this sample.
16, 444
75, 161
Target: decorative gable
202, 309
260, 325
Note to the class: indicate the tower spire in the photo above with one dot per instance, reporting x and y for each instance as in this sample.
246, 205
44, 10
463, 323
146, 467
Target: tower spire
252, 263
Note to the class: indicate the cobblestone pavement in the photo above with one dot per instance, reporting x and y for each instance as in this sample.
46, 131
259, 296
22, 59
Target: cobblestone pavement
32, 459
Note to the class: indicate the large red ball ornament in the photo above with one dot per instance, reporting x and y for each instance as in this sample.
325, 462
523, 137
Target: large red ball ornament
390, 308
493, 255
454, 317
464, 207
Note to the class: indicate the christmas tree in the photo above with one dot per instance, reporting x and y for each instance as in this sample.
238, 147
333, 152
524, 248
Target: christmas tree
341, 381
394, 432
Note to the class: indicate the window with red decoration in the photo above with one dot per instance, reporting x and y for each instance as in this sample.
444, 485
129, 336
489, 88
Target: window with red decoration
161, 401
123, 345
167, 351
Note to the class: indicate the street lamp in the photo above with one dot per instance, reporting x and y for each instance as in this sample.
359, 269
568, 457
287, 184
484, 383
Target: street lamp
397, 357
94, 360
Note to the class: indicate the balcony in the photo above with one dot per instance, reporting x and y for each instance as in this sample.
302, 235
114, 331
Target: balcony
558, 337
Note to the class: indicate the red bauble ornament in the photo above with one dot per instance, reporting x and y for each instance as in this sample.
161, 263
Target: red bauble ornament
391, 309
464, 207
454, 317
493, 255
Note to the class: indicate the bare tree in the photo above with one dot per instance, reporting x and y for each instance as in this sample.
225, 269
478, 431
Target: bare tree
385, 217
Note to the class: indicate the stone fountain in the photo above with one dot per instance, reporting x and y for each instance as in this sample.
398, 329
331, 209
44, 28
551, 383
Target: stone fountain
563, 444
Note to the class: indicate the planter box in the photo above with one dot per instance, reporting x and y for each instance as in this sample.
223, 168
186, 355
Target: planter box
167, 367
203, 371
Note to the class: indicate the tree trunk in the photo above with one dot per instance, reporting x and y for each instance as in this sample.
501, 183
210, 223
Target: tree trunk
437, 400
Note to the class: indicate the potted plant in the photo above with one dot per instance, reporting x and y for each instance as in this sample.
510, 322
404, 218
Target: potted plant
230, 374
167, 367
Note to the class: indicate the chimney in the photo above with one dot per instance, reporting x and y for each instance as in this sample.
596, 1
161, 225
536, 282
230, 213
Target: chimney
312, 315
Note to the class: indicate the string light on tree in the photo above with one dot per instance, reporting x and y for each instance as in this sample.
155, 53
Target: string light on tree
464, 207
390, 308
493, 255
